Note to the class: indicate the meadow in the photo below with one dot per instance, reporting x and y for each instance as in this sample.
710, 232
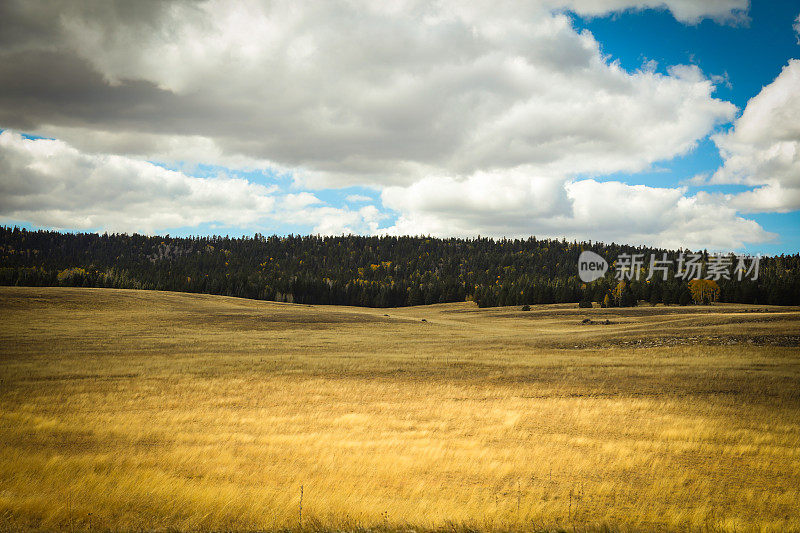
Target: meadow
135, 410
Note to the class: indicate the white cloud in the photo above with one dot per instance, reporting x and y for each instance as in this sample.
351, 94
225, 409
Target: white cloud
697, 180
688, 11
763, 149
470, 117
50, 183
333, 221
56, 185
664, 217
584, 209
411, 89
357, 198
492, 203
796, 28
300, 200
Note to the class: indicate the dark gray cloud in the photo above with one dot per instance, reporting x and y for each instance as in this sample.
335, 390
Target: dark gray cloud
39, 87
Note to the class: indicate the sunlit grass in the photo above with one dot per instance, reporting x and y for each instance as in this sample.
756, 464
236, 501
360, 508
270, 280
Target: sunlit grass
131, 410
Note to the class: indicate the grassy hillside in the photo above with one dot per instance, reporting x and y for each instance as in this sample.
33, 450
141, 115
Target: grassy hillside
128, 409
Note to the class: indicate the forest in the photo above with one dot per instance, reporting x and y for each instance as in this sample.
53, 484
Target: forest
375, 271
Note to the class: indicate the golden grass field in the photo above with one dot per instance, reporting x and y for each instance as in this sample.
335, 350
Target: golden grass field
132, 410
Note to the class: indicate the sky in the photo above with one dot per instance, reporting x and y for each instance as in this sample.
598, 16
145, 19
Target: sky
670, 123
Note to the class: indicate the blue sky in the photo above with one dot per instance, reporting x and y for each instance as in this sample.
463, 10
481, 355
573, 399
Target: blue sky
604, 120
749, 55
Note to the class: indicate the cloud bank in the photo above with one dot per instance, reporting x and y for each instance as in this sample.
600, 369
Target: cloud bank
50, 183
498, 118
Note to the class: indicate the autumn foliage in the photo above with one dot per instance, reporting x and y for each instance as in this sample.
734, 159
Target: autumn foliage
704, 291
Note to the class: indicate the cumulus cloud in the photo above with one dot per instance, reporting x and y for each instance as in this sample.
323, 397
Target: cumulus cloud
660, 216
411, 89
333, 221
579, 209
50, 183
763, 148
470, 117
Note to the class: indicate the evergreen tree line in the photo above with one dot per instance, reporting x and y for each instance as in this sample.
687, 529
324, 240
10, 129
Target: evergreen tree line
363, 271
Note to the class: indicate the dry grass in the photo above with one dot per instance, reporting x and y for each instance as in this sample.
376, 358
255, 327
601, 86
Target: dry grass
129, 410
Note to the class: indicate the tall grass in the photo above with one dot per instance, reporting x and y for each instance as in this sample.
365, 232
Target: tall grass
129, 410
